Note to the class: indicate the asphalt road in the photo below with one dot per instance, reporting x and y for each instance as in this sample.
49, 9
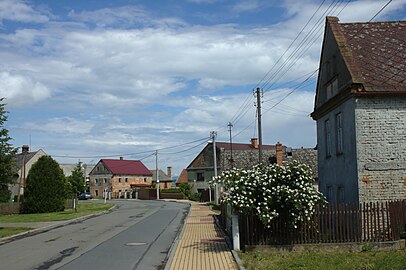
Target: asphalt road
136, 235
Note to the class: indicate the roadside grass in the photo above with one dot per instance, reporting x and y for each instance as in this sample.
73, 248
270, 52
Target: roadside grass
367, 260
12, 230
83, 210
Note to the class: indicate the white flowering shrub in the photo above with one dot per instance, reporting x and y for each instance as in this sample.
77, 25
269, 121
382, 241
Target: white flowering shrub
272, 191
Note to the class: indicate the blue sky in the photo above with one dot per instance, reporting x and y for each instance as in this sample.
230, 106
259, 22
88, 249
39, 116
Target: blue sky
89, 79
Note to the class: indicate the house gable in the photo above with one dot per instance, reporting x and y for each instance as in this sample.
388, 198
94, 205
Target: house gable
360, 59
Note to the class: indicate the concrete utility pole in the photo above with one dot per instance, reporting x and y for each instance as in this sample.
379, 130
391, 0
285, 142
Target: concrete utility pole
258, 93
213, 135
230, 126
156, 174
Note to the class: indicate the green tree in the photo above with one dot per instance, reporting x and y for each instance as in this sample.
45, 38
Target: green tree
7, 153
77, 181
45, 191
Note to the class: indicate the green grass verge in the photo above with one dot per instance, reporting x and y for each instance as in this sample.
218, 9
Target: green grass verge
369, 260
13, 230
83, 210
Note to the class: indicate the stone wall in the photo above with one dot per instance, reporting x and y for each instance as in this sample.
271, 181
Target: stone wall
381, 148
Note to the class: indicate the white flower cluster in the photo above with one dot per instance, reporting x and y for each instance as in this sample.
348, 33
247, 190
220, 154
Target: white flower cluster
272, 191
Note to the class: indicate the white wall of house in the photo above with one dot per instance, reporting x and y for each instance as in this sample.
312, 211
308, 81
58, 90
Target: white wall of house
381, 148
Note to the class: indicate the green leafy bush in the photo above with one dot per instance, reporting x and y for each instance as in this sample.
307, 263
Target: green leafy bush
46, 184
194, 197
272, 191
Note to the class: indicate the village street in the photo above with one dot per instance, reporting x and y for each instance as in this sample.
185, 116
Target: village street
137, 234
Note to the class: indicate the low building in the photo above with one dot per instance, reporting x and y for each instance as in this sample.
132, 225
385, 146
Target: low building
165, 179
23, 162
86, 169
119, 177
238, 155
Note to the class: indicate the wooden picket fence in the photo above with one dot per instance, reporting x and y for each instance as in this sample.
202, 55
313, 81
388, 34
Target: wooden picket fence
338, 223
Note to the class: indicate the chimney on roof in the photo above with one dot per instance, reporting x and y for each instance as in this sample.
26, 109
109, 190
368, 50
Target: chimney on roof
25, 149
279, 153
121, 158
254, 143
169, 172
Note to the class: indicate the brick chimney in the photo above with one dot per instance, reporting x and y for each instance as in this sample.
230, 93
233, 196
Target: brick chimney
254, 143
25, 149
169, 172
279, 153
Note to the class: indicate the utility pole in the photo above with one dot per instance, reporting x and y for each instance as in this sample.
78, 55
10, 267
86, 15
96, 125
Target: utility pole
213, 135
258, 93
230, 125
156, 174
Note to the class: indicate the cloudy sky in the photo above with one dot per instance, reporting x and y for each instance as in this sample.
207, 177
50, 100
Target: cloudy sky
97, 78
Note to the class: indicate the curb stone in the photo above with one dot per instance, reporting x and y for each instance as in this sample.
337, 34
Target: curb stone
174, 246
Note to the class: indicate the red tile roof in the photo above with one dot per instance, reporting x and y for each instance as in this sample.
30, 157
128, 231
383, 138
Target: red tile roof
126, 167
375, 53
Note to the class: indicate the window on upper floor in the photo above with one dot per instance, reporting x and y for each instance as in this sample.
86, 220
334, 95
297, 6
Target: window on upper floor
96, 181
105, 180
145, 179
119, 179
339, 133
126, 180
200, 176
327, 136
332, 88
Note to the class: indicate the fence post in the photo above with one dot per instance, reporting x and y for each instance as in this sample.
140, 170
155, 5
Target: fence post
235, 231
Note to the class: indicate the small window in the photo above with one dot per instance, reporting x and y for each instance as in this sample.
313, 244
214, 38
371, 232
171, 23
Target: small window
145, 179
105, 180
126, 180
200, 177
327, 135
339, 133
96, 180
96, 192
119, 180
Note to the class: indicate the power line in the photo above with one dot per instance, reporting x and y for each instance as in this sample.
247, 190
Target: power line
130, 154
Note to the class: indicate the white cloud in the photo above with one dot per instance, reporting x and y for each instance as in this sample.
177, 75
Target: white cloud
62, 125
21, 11
125, 16
246, 5
19, 89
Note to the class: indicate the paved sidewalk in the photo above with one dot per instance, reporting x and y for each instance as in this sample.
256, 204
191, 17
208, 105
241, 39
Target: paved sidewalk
202, 245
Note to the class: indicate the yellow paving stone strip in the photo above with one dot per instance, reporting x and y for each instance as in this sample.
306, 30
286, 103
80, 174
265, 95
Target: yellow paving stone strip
202, 246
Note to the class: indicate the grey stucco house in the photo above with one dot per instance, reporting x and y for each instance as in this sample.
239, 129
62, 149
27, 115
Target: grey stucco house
360, 109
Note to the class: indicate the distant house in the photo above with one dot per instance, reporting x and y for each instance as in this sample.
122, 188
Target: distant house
165, 179
23, 163
238, 155
360, 109
118, 176
86, 169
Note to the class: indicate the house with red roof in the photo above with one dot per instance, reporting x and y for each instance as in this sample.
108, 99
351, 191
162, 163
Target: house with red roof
118, 176
360, 109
